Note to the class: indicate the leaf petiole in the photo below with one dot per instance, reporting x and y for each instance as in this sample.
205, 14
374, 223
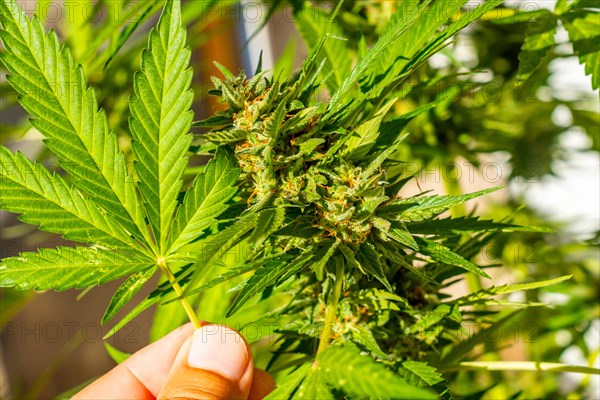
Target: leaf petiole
189, 310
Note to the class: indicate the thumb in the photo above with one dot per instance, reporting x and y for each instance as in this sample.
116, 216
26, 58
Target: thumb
215, 363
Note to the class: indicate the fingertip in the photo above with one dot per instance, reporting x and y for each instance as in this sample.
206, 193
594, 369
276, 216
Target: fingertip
143, 374
262, 385
214, 363
221, 350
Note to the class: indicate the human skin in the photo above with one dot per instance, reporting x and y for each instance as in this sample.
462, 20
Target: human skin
213, 362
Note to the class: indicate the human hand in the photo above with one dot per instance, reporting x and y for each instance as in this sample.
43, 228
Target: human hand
213, 362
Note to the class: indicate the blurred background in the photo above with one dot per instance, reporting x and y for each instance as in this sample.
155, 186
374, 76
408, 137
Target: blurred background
541, 139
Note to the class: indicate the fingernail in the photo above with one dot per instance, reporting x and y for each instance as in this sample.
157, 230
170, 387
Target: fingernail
219, 349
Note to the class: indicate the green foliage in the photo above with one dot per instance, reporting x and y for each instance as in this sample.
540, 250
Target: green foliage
474, 298
126, 291
538, 43
582, 22
442, 254
420, 374
160, 121
583, 28
205, 201
45, 199
117, 355
54, 92
425, 207
345, 368
78, 134
69, 267
308, 193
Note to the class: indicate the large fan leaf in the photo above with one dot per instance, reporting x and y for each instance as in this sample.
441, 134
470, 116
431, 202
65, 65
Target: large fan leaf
44, 199
206, 200
449, 226
286, 386
69, 267
345, 368
161, 118
53, 90
313, 387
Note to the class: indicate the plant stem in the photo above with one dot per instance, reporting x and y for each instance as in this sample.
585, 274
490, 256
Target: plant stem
332, 303
189, 310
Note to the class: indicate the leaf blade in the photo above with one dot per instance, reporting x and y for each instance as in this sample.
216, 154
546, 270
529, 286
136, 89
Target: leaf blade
583, 31
65, 110
68, 267
206, 200
161, 118
346, 369
126, 292
273, 271
442, 254
416, 209
45, 199
539, 40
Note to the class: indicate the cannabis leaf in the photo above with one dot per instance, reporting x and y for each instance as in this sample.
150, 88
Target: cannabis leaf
45, 199
539, 40
67, 267
290, 384
54, 92
126, 291
365, 136
384, 44
443, 254
272, 272
424, 207
313, 387
583, 31
305, 189
161, 119
314, 24
102, 208
345, 368
420, 373
459, 350
476, 297
206, 200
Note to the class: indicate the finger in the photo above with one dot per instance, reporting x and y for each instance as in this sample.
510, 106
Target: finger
262, 385
143, 374
216, 363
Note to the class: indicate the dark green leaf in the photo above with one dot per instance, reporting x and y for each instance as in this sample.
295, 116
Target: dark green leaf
345, 368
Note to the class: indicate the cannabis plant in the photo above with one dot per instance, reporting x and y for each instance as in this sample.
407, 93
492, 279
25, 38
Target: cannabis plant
306, 191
